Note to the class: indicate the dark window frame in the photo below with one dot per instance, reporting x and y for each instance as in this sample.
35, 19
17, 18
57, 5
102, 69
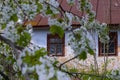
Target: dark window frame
115, 45
50, 36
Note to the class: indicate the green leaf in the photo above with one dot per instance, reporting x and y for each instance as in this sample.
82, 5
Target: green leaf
39, 7
53, 78
73, 70
83, 55
32, 60
56, 62
49, 11
14, 17
77, 36
54, 29
60, 20
3, 26
24, 39
90, 51
34, 75
40, 53
20, 29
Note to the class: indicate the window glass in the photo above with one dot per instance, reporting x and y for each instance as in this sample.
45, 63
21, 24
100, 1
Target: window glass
52, 49
59, 48
55, 40
111, 47
55, 45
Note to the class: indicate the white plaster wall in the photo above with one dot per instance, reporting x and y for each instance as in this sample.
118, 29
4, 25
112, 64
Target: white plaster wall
39, 37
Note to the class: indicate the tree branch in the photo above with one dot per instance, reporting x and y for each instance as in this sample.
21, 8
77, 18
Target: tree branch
68, 61
71, 74
11, 44
76, 75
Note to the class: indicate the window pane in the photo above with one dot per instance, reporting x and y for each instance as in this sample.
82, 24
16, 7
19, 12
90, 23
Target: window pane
55, 40
59, 49
52, 49
109, 48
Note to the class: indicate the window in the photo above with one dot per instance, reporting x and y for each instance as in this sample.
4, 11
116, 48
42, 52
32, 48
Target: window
110, 48
55, 45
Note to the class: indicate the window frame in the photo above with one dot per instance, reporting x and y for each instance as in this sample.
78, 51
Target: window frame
49, 36
115, 45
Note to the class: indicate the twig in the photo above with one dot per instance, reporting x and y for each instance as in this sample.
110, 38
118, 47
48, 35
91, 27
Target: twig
71, 74
68, 61
55, 8
58, 67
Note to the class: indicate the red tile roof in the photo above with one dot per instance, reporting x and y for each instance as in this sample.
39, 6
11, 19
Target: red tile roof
107, 11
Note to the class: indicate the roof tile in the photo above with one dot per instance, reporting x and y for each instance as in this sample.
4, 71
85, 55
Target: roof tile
107, 11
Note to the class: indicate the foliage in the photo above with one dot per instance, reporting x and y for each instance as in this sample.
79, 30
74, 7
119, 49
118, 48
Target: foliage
54, 29
114, 74
20, 59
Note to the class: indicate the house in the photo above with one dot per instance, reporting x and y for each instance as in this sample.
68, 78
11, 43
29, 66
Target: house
107, 11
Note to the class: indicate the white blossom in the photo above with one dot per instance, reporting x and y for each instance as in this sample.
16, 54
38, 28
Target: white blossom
69, 16
54, 3
24, 69
62, 76
71, 1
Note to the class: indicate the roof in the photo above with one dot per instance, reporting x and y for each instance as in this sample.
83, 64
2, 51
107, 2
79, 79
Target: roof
107, 11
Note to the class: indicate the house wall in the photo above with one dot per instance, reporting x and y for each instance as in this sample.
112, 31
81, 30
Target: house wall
39, 37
